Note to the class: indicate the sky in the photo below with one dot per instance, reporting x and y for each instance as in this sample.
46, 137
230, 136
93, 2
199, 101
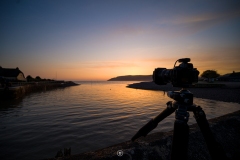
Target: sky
101, 39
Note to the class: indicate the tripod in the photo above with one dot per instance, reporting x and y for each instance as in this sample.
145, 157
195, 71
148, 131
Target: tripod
183, 103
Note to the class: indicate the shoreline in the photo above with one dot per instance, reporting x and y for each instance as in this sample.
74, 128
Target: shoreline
226, 130
19, 91
228, 93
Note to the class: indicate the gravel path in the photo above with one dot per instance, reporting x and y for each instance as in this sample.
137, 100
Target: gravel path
229, 93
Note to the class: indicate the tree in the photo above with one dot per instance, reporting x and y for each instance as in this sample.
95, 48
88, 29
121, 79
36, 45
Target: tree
210, 74
30, 78
38, 78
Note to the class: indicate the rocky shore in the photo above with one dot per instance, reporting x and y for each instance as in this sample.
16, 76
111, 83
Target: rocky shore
226, 130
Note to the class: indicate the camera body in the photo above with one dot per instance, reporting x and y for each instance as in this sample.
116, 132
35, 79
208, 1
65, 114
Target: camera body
183, 75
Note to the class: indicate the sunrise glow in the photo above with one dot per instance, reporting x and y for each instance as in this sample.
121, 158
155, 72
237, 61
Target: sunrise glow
98, 40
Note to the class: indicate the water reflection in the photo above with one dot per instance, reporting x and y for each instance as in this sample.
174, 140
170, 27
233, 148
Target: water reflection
6, 104
8, 109
93, 115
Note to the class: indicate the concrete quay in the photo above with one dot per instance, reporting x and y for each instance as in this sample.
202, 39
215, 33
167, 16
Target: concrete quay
18, 91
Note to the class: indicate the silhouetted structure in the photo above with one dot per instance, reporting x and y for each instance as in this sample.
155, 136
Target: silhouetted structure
232, 77
12, 74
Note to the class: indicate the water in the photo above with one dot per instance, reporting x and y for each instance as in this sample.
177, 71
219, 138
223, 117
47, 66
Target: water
86, 117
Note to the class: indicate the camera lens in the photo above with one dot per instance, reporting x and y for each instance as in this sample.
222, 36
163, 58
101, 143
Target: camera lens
161, 76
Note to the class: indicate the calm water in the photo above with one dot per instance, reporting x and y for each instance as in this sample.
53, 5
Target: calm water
86, 117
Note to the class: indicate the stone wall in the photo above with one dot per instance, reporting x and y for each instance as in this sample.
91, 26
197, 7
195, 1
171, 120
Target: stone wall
20, 91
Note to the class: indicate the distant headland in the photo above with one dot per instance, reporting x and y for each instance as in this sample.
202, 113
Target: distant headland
132, 78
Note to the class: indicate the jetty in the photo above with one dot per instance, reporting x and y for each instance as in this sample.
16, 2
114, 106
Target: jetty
19, 89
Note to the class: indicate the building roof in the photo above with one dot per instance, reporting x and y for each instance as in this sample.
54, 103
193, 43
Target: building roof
235, 74
231, 75
9, 72
225, 75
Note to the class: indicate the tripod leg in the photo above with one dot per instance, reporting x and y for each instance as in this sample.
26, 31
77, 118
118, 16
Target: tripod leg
215, 149
180, 134
154, 122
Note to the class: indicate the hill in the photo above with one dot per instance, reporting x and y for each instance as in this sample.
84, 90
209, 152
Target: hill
132, 78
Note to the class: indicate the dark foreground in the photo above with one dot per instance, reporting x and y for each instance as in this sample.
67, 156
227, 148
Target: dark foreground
226, 130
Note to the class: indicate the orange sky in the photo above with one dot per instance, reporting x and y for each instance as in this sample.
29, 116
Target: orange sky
79, 40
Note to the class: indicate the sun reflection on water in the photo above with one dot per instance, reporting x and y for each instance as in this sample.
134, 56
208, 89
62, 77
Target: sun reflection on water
93, 115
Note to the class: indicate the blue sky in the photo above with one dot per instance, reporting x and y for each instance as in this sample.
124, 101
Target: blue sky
97, 40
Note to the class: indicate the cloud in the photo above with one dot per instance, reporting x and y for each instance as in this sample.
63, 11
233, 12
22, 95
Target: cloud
190, 23
207, 17
201, 22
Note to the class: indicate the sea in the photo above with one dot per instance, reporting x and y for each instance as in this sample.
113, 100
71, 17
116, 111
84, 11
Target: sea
87, 117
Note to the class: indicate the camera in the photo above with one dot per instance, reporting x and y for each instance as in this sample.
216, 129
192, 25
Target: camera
183, 75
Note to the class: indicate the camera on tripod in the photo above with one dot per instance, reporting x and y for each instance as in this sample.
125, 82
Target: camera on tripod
183, 75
